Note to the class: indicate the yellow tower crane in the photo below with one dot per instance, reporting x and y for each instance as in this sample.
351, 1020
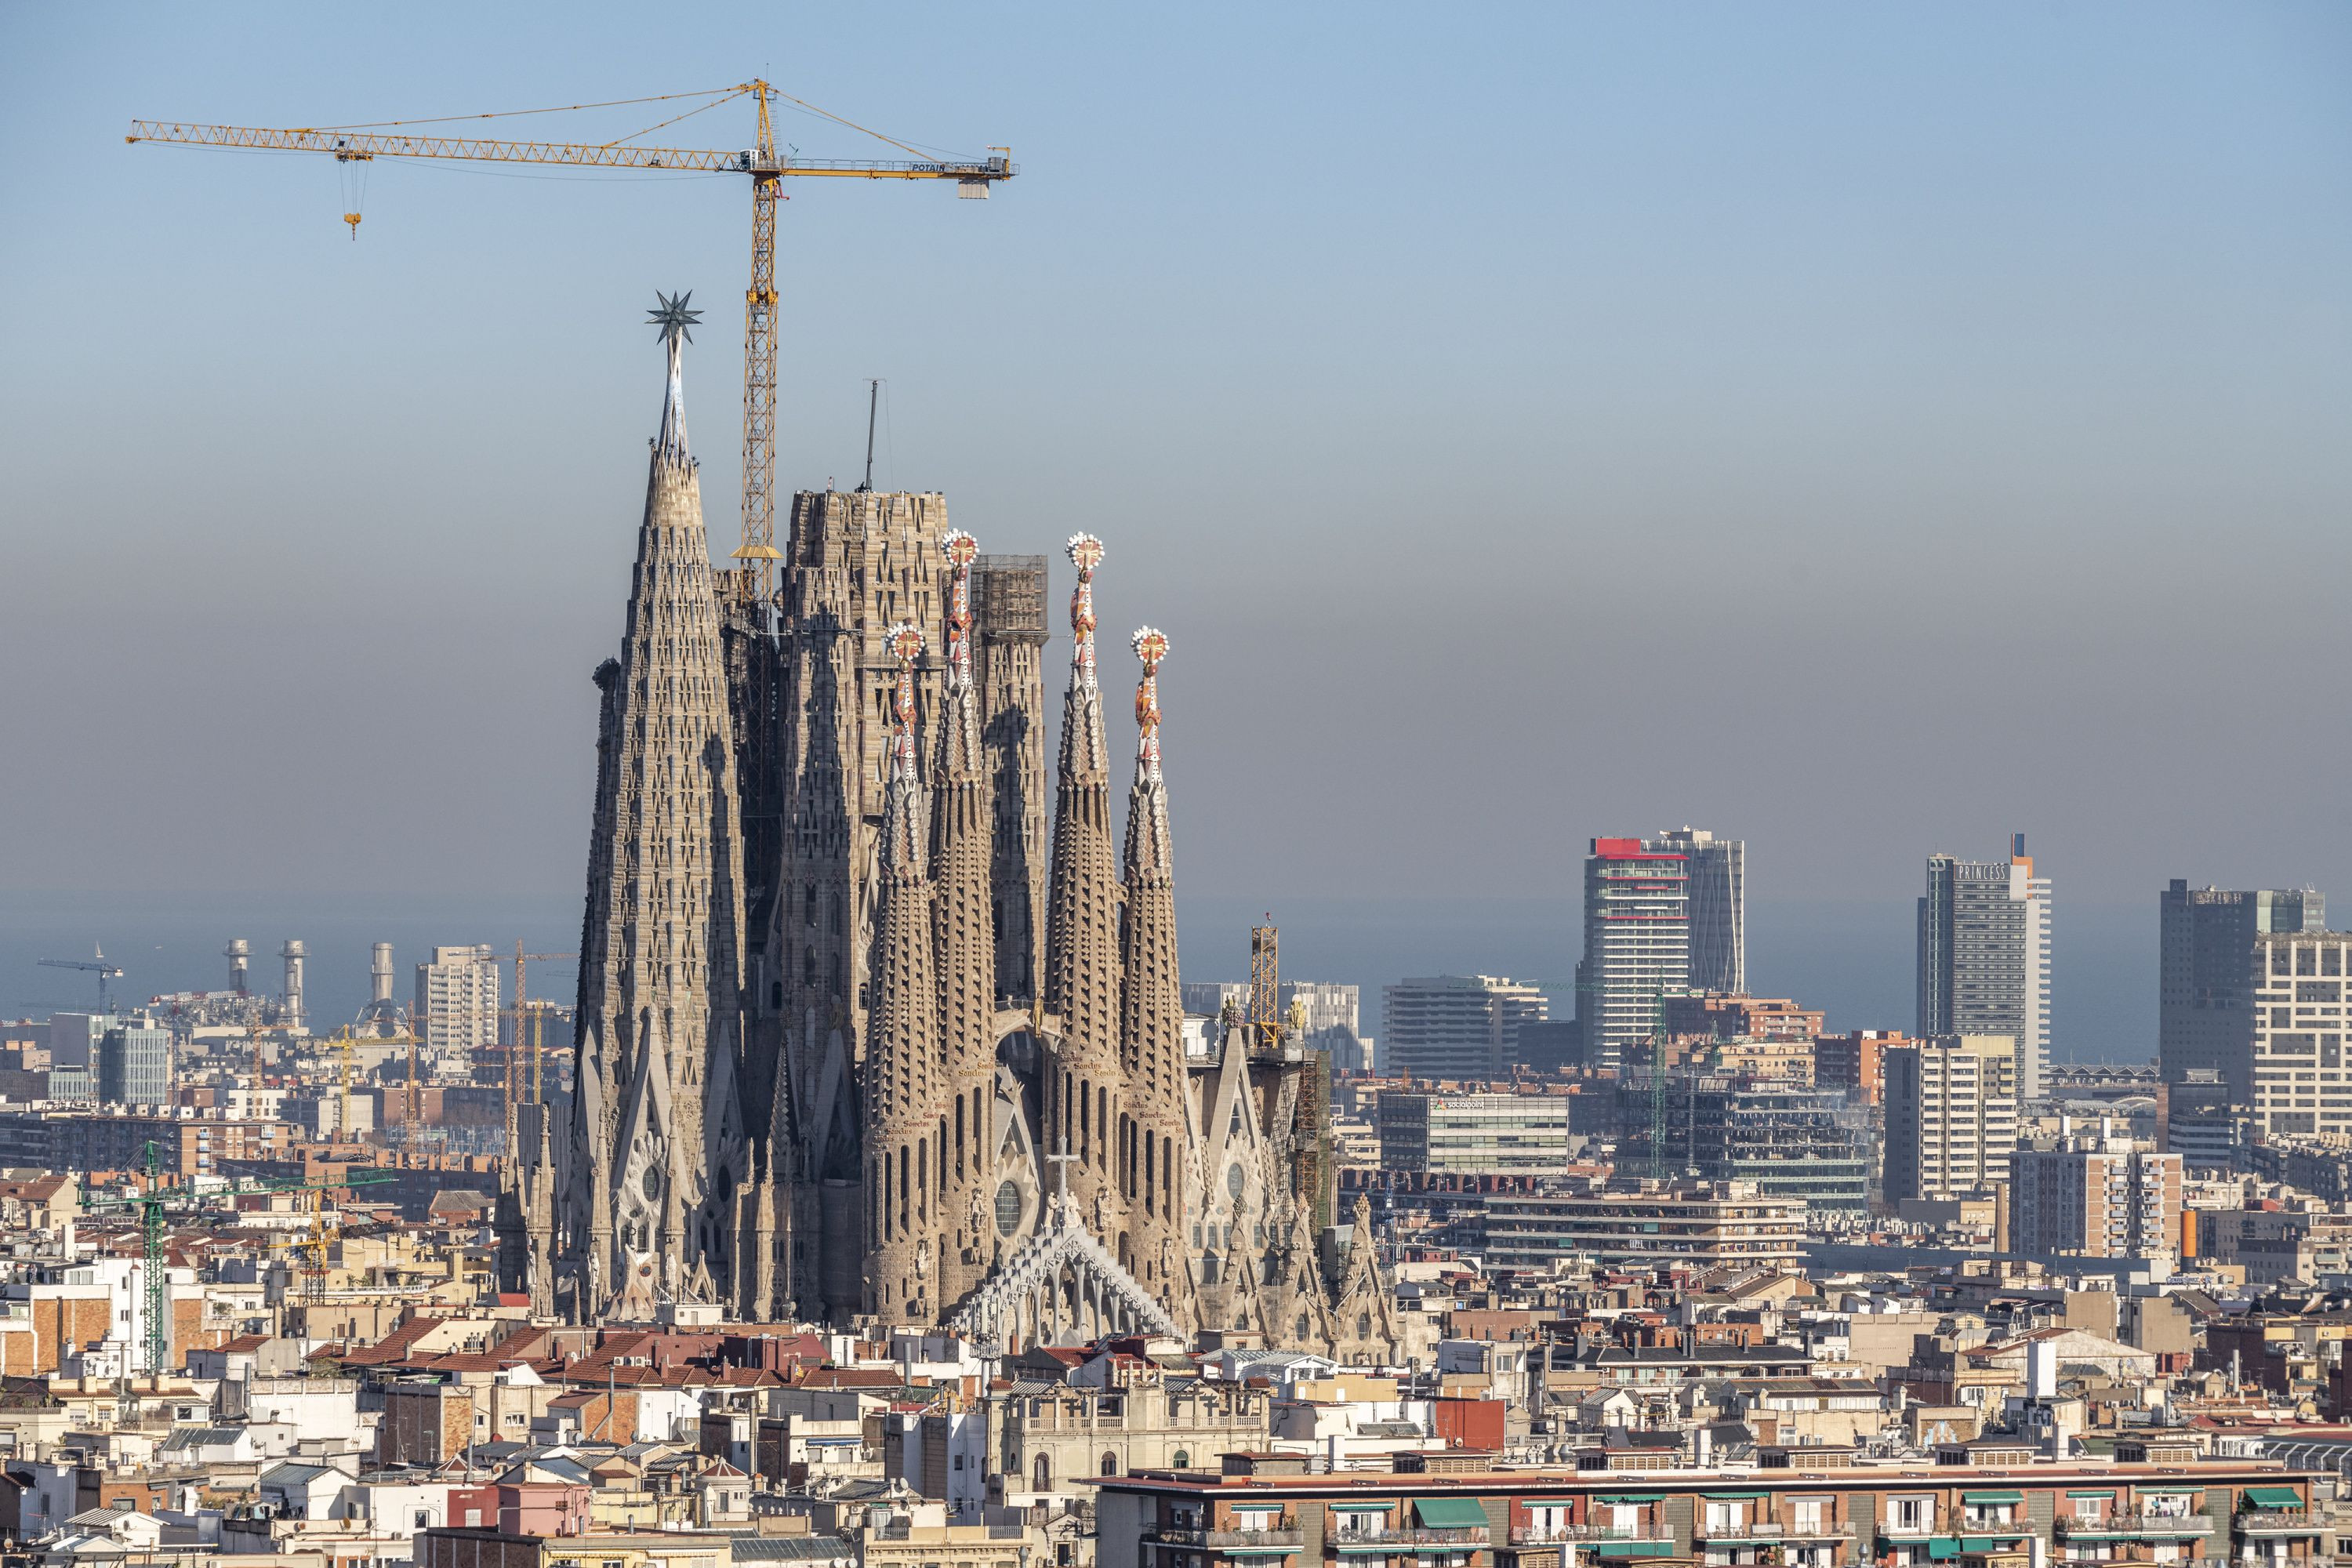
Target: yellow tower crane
361, 144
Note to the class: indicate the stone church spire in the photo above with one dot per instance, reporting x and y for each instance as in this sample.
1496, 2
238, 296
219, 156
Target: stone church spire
962, 856
906, 1153
1083, 1086
645, 1212
1152, 1142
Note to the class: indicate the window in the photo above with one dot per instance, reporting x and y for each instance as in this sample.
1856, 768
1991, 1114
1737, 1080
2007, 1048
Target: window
1183, 1458
1110, 1464
1805, 1515
1912, 1513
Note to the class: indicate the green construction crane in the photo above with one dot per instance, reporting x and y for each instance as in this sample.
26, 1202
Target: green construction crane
151, 1205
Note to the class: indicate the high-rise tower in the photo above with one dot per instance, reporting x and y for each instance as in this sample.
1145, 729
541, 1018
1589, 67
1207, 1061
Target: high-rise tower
1716, 879
2207, 976
1984, 956
1636, 944
648, 1178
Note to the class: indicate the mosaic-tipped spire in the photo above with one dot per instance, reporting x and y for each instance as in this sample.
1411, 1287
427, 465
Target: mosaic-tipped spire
963, 917
904, 817
1151, 647
676, 323
901, 1082
1152, 1015
960, 753
1082, 919
1083, 752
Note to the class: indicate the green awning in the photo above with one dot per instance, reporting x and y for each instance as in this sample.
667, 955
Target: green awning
1992, 1497
1343, 1544
1450, 1512
1361, 1507
1629, 1497
2274, 1497
2168, 1490
1632, 1547
2109, 1492
1731, 1497
1942, 1546
1988, 1543
1273, 1507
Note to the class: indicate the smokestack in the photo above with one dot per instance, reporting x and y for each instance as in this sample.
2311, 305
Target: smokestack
2017, 845
380, 973
293, 953
237, 952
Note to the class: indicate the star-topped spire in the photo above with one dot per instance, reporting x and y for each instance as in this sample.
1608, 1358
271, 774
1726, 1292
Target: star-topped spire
677, 324
670, 314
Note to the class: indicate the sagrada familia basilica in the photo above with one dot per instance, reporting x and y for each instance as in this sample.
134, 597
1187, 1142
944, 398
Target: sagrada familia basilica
865, 1033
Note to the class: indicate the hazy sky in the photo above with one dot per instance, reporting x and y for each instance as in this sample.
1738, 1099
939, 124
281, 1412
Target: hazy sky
1868, 430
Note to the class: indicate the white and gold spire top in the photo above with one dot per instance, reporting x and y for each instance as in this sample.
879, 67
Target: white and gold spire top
676, 323
1085, 555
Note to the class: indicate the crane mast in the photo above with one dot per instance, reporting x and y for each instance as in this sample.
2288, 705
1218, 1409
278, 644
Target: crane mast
755, 580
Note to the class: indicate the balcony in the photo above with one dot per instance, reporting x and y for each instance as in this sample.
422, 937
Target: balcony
1772, 1529
2136, 1527
1285, 1536
2277, 1522
1409, 1538
1573, 1535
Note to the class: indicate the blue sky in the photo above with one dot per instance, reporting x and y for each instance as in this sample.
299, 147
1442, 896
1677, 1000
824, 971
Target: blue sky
1867, 430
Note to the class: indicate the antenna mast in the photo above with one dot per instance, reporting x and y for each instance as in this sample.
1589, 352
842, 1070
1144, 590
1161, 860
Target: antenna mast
872, 400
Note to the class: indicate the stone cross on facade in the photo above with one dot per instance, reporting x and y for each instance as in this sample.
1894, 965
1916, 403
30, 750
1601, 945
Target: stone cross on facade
1061, 1161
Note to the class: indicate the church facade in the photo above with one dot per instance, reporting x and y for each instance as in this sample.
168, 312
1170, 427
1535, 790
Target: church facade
879, 1022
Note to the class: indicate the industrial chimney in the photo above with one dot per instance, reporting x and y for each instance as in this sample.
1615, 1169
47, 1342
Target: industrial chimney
237, 952
380, 973
293, 953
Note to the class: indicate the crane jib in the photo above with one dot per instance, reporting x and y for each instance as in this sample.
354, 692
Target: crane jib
578, 155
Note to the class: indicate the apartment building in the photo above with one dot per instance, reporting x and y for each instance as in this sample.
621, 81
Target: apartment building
1951, 1116
1475, 1133
1984, 956
1456, 1027
2302, 1082
1977, 1506
2095, 1196
1644, 1223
